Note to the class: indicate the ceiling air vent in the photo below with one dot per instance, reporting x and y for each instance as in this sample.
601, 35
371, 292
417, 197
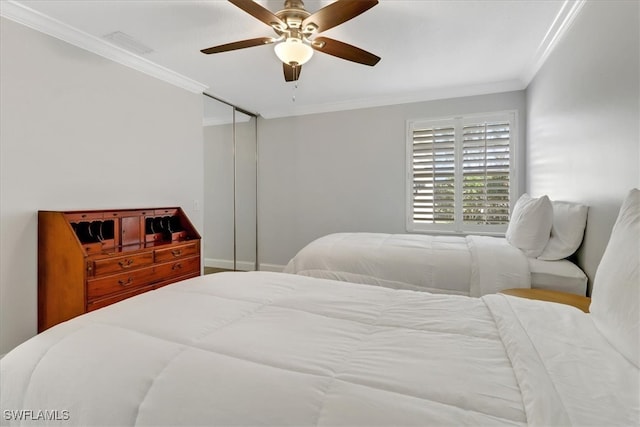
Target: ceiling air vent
127, 42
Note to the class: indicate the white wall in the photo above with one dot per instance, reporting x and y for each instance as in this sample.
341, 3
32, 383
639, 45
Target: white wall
344, 171
583, 119
78, 131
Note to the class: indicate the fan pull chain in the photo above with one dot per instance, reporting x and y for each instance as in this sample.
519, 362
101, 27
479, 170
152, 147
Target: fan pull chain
293, 97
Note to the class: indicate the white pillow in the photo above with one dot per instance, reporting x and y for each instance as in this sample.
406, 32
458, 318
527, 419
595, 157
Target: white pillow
530, 224
569, 221
615, 299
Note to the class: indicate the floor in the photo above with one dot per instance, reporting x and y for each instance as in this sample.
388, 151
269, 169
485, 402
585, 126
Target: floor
211, 270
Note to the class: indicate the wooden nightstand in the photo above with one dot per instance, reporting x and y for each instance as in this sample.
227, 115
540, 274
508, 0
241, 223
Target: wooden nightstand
554, 296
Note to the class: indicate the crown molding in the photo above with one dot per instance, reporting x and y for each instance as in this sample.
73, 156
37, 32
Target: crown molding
399, 99
24, 15
560, 25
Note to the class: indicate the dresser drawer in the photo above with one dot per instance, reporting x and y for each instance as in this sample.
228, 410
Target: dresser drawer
179, 267
96, 304
173, 280
84, 216
123, 263
123, 213
166, 212
98, 288
175, 252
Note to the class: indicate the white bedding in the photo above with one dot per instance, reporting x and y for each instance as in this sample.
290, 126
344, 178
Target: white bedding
278, 349
471, 265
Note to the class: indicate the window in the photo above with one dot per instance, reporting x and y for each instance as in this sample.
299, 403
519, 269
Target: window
461, 173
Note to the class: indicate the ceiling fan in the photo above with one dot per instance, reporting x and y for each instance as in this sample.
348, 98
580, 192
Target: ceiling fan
297, 31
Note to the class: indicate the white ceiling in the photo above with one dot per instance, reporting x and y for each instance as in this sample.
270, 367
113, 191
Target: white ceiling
430, 48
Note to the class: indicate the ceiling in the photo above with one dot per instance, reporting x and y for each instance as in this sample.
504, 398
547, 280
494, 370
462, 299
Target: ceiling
430, 49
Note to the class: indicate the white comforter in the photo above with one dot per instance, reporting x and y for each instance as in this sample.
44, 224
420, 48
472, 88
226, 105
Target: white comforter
278, 349
471, 265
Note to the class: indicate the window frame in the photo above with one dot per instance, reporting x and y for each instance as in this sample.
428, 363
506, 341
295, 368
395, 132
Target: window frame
459, 121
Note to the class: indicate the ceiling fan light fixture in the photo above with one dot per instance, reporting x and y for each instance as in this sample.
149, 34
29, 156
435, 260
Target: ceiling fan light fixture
293, 51
297, 31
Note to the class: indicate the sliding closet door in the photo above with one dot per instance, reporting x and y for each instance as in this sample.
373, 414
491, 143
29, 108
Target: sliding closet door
230, 165
218, 236
246, 191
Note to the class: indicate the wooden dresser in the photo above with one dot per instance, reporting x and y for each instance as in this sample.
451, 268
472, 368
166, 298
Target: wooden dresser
90, 259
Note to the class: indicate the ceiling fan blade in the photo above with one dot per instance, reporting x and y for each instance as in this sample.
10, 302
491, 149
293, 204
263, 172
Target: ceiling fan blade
238, 45
291, 74
338, 12
344, 51
260, 13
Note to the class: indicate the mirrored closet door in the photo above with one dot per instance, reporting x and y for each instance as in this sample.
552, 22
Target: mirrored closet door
230, 187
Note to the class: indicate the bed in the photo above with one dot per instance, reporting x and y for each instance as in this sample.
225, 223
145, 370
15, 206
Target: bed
264, 348
541, 235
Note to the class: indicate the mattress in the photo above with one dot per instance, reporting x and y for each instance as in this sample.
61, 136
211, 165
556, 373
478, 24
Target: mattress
562, 275
278, 349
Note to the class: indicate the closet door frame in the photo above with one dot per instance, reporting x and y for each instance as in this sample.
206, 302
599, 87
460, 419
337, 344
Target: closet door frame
254, 117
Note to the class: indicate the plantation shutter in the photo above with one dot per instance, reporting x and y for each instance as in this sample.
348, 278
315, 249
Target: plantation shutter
460, 173
485, 171
434, 174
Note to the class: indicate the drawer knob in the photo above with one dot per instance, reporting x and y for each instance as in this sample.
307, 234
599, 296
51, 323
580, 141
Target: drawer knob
177, 266
125, 282
176, 252
126, 263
